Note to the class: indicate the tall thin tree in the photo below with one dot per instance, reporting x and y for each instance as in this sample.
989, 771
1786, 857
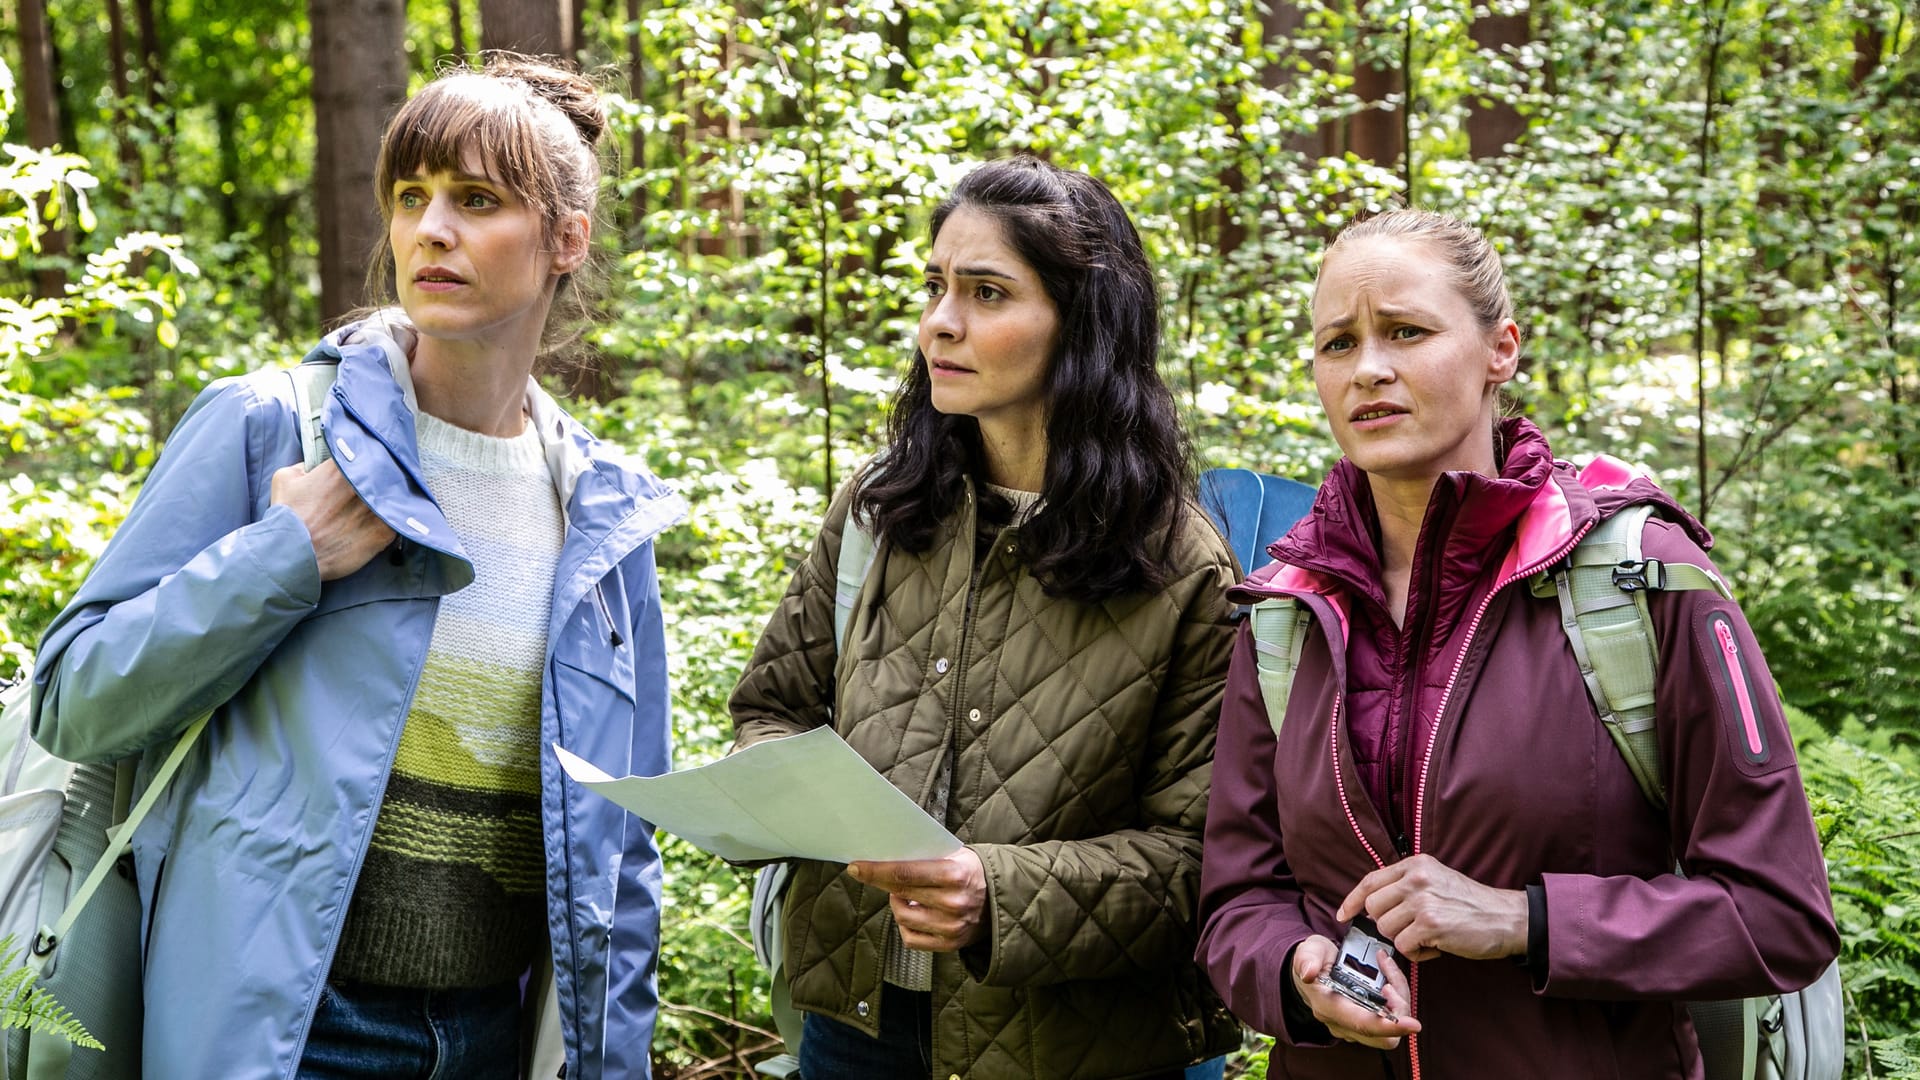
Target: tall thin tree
1493, 123
533, 27
359, 78
38, 82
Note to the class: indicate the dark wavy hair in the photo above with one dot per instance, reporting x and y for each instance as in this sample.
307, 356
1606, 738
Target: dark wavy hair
1118, 467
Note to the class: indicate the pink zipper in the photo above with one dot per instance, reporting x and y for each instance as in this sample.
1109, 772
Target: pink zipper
1340, 783
1736, 674
1426, 759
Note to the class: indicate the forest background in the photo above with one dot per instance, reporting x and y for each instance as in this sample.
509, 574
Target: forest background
1708, 209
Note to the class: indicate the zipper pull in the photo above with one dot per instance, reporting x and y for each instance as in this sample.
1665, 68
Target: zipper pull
613, 632
1401, 845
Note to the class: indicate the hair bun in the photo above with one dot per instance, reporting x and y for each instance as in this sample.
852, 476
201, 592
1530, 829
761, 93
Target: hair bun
573, 93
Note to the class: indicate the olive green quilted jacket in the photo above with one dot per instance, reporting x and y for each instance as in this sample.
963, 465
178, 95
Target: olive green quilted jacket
1081, 751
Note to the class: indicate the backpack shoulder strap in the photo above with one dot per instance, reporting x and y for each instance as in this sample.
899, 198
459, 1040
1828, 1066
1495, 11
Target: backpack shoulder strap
850, 572
1602, 586
1279, 632
310, 385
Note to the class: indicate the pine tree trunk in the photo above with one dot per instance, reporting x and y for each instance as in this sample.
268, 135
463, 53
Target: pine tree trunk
637, 87
359, 78
1493, 124
533, 27
1376, 133
459, 30
1280, 24
37, 81
130, 164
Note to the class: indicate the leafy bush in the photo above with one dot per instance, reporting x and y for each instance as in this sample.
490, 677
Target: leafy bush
1866, 802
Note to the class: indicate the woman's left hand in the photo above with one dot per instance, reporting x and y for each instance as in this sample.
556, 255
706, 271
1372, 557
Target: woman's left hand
1428, 908
937, 903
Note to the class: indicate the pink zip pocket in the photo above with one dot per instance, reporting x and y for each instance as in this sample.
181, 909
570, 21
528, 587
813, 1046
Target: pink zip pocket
1728, 652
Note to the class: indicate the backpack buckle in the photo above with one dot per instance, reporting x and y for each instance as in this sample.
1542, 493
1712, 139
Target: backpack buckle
1645, 574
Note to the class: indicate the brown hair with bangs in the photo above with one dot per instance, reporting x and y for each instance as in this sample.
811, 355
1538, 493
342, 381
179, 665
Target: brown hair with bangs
532, 127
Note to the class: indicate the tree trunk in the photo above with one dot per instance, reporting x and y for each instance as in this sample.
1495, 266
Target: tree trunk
637, 87
1494, 124
533, 27
359, 78
1869, 41
1377, 133
43, 130
1280, 24
130, 164
152, 60
225, 115
143, 18
459, 31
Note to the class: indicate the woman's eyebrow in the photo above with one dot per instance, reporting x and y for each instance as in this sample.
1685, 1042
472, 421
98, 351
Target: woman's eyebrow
973, 272
458, 176
1341, 322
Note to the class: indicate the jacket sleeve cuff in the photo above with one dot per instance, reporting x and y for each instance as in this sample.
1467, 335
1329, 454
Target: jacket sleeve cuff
1536, 958
1303, 1028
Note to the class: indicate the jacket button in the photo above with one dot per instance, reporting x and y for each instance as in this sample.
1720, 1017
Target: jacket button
973, 715
861, 1008
940, 666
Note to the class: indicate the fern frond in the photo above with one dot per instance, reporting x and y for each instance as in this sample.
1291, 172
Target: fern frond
26, 1006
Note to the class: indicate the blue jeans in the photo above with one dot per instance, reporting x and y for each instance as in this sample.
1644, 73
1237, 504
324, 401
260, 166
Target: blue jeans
830, 1050
365, 1031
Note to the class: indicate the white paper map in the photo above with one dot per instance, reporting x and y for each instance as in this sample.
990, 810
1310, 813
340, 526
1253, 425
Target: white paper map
809, 796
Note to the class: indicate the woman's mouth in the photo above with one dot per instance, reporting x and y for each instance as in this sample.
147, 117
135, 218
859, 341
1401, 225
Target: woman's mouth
435, 278
1374, 414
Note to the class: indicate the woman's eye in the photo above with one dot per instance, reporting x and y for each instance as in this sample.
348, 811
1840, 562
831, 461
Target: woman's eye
1403, 333
410, 200
1339, 344
988, 293
932, 288
480, 200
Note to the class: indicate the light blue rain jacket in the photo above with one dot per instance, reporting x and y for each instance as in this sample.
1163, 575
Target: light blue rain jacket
208, 595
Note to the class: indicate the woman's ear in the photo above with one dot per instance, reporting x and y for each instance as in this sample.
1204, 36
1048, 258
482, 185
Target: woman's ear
1504, 362
572, 236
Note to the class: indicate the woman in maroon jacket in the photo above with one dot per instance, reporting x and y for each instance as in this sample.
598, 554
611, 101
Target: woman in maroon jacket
1440, 768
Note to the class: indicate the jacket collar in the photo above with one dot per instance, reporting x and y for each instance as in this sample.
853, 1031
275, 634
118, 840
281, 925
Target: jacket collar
612, 502
1538, 504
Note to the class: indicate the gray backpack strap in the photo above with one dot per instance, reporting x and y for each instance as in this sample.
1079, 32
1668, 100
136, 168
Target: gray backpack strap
118, 840
856, 558
1279, 633
310, 385
1602, 587
765, 911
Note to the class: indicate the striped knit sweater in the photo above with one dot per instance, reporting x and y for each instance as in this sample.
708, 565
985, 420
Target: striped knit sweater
453, 889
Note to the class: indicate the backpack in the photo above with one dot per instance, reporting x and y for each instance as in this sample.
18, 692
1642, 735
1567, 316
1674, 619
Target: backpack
67, 890
1602, 588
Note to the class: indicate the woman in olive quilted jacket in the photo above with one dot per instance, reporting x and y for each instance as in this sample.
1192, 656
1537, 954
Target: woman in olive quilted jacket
1036, 657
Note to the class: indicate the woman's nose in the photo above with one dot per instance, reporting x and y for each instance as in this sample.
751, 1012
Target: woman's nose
436, 224
1371, 366
942, 318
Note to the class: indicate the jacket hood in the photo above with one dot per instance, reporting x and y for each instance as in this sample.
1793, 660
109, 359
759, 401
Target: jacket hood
1616, 485
1547, 503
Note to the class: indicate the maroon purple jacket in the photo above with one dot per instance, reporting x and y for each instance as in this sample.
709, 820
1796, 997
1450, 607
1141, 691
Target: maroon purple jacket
1469, 736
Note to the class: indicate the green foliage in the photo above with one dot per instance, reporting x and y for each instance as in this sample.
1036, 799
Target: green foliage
28, 1007
1710, 228
1865, 795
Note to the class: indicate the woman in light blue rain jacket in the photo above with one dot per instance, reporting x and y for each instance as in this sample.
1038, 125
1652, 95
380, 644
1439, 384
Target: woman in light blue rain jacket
222, 592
